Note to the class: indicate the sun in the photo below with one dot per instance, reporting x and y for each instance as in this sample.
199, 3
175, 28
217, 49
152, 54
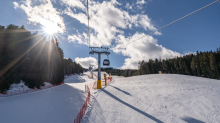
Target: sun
52, 28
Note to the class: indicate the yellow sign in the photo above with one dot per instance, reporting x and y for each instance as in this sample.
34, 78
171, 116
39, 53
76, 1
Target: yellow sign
105, 79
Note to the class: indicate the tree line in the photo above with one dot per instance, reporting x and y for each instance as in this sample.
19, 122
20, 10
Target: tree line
203, 64
31, 58
119, 72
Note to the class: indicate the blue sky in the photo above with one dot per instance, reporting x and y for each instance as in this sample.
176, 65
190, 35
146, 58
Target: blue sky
114, 23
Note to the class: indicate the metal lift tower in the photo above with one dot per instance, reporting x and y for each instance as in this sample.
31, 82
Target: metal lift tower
99, 51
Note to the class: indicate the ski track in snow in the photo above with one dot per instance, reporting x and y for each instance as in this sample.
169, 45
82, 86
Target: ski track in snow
169, 98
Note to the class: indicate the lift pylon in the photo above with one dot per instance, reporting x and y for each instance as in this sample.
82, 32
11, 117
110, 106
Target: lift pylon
99, 51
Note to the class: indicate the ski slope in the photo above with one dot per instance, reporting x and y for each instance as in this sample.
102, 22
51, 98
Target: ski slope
156, 98
60, 104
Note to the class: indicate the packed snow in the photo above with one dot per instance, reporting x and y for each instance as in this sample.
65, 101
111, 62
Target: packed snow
59, 104
169, 98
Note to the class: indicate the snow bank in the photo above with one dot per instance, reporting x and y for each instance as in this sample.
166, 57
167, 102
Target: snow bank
22, 86
46, 84
18, 86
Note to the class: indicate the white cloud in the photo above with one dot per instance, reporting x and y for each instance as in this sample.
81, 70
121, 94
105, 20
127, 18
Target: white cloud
140, 2
145, 22
76, 38
85, 62
104, 20
107, 22
74, 3
80, 38
128, 6
44, 14
115, 2
145, 49
15, 5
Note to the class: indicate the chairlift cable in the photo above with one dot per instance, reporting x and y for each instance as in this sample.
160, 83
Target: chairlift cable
172, 22
103, 58
88, 21
88, 30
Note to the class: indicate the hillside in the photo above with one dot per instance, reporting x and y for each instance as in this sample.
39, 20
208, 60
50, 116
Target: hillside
60, 104
169, 98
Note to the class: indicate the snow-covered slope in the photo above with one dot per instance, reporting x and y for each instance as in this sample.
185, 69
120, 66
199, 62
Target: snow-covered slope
168, 98
80, 81
59, 104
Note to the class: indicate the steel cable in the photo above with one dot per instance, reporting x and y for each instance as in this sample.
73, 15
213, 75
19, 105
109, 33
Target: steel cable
172, 22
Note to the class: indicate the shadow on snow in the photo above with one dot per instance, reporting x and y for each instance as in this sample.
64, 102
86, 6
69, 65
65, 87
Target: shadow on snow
191, 120
132, 107
120, 90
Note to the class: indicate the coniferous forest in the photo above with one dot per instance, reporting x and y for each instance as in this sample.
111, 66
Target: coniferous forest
31, 58
203, 64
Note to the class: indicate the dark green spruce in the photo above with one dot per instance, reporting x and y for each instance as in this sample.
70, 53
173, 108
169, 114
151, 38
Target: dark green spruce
31, 58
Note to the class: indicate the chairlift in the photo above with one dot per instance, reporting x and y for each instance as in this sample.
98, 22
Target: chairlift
106, 62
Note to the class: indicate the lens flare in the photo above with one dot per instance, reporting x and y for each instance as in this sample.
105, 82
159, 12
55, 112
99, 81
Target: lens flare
52, 28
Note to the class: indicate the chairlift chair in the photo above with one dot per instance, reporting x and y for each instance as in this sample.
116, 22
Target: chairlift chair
106, 62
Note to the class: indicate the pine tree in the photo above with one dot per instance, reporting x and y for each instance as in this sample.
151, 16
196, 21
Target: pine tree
57, 63
193, 65
152, 66
197, 63
212, 66
204, 64
142, 68
164, 66
157, 66
176, 65
13, 48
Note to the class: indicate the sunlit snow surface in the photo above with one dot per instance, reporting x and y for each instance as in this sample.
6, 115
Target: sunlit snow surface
168, 98
60, 104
